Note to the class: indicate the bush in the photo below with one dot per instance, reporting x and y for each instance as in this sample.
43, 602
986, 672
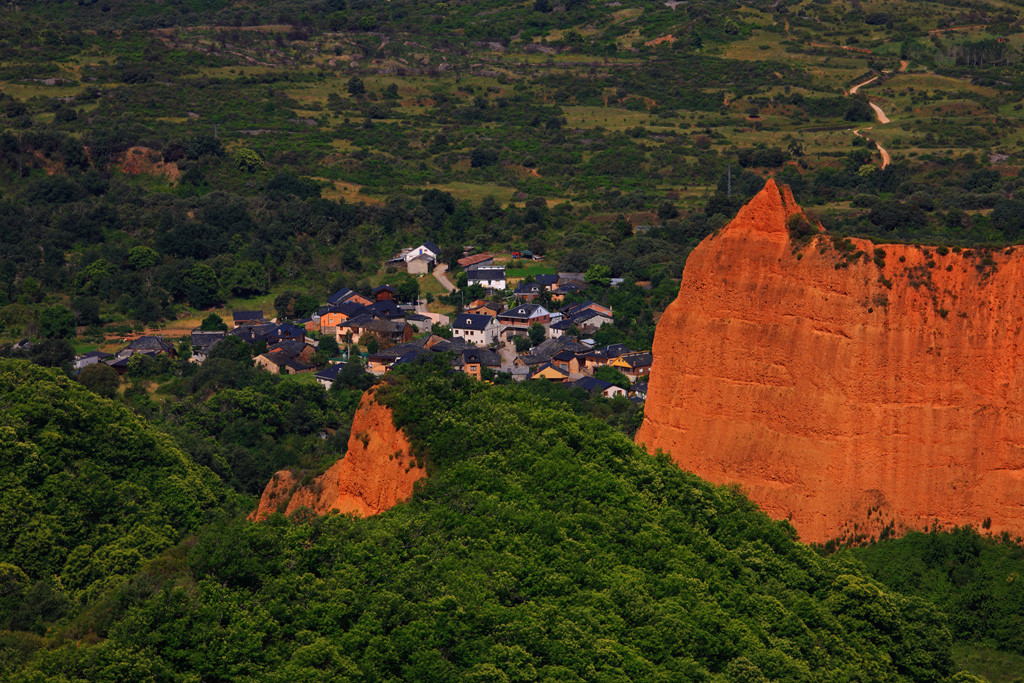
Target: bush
800, 229
101, 379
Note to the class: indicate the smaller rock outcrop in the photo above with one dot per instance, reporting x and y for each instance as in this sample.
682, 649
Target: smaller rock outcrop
377, 472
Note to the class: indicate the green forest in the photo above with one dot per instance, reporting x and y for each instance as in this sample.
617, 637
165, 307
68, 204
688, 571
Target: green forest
544, 546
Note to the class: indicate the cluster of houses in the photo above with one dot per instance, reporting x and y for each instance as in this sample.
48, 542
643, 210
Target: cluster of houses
284, 347
481, 334
349, 316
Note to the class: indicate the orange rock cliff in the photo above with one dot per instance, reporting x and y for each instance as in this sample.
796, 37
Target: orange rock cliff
845, 387
377, 472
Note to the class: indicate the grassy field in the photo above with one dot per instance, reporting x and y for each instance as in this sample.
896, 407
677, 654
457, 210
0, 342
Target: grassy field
350, 192
996, 666
475, 192
609, 118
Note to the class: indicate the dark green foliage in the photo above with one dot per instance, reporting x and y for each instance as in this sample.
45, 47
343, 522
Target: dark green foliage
610, 374
246, 424
56, 322
326, 350
201, 286
355, 86
232, 348
90, 493
285, 183
800, 229
543, 546
213, 323
975, 580
100, 379
481, 157
292, 305
859, 110
537, 334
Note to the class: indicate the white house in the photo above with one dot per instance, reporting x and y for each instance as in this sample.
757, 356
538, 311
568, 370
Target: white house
426, 249
87, 359
480, 330
487, 276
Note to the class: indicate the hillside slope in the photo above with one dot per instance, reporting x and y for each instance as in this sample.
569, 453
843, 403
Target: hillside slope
846, 386
88, 493
544, 546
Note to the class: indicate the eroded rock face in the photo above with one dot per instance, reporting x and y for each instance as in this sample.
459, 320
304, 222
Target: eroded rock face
845, 389
377, 472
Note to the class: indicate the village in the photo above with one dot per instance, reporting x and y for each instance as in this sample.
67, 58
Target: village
509, 330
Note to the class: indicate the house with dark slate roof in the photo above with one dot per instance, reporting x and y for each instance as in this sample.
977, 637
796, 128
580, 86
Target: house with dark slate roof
475, 360
597, 386
481, 330
413, 355
589, 320
386, 308
152, 345
345, 294
638, 390
389, 331
340, 296
251, 334
576, 309
518, 320
567, 288
147, 345
336, 314
421, 322
491, 277
289, 356
546, 280
202, 341
635, 365
562, 327
247, 318
603, 356
379, 362
527, 291
327, 376
550, 373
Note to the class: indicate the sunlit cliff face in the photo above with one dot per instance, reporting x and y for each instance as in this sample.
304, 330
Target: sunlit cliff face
845, 387
377, 472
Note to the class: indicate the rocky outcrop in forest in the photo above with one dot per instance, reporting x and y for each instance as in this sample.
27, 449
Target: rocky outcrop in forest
846, 386
377, 472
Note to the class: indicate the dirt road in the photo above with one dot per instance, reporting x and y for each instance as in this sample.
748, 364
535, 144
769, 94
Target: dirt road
881, 150
879, 114
439, 275
882, 118
855, 88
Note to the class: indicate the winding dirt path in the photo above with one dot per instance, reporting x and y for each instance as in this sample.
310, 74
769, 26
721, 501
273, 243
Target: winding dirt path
882, 118
886, 159
855, 88
439, 275
879, 114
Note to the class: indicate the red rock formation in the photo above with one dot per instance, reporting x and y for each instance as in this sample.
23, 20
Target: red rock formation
377, 472
845, 389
